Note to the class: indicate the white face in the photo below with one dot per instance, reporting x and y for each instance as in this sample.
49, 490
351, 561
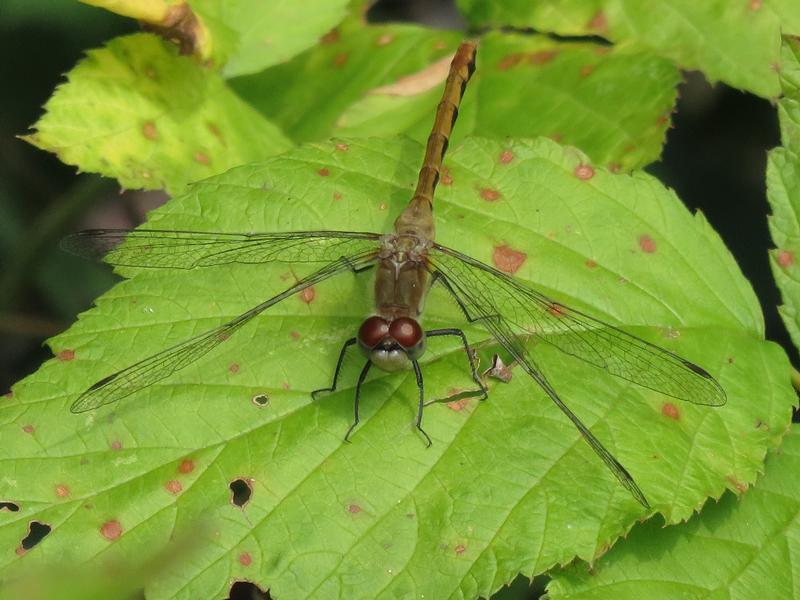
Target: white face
393, 359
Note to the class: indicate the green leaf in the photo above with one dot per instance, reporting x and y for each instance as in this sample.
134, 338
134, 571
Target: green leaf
307, 95
136, 111
508, 485
612, 103
256, 34
738, 548
734, 42
566, 17
783, 192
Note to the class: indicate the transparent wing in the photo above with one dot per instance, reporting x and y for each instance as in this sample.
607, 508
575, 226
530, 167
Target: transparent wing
160, 248
165, 363
522, 311
509, 310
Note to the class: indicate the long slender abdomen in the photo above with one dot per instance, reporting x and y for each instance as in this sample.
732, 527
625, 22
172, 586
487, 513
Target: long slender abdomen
417, 218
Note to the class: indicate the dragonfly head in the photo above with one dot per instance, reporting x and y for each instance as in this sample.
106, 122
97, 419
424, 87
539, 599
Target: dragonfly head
391, 345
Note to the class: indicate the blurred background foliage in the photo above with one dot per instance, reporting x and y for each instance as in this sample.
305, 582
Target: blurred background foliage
714, 158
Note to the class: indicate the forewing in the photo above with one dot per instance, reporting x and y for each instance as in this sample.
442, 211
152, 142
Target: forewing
159, 248
165, 363
524, 311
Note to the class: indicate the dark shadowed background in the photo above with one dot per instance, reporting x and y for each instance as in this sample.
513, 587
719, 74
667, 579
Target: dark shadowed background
714, 158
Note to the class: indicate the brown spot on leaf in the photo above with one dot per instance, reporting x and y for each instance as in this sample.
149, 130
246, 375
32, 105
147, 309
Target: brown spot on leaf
216, 132
111, 530
174, 487
458, 405
509, 60
739, 485
66, 355
785, 258
663, 118
186, 466
586, 70
116, 445
513, 59
150, 131
669, 410
755, 5
647, 244
337, 196
330, 38
489, 194
202, 158
342, 147
446, 178
507, 259
353, 509
598, 22
20, 551
614, 167
555, 309
62, 491
28, 428
590, 263
460, 549
556, 137
324, 172
234, 368
294, 335
584, 172
506, 156
245, 559
308, 295
384, 39
340, 59
542, 57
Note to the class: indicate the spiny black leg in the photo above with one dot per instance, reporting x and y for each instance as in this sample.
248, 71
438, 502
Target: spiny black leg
421, 387
475, 377
343, 351
361, 379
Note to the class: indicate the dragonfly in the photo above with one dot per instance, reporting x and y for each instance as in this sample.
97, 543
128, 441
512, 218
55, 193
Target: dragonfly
407, 262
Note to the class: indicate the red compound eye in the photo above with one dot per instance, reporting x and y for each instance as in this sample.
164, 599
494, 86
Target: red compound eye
372, 331
406, 331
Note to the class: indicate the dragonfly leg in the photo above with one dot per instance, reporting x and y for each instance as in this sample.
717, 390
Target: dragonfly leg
361, 379
483, 391
438, 276
338, 370
421, 387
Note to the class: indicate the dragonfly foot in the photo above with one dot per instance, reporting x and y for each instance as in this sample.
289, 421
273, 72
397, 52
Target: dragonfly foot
350, 431
428, 441
321, 392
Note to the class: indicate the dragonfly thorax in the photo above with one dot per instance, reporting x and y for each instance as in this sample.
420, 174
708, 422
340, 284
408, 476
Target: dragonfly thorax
391, 345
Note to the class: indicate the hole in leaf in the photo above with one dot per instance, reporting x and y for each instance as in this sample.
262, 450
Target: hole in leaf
36, 533
9, 506
241, 490
261, 400
246, 590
